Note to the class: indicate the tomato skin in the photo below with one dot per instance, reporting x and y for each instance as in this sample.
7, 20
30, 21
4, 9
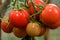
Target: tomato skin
34, 29
20, 33
54, 26
19, 18
31, 9
50, 14
37, 2
6, 28
43, 30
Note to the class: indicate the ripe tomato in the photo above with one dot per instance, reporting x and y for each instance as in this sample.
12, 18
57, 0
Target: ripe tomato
33, 29
5, 27
50, 14
19, 32
19, 18
36, 2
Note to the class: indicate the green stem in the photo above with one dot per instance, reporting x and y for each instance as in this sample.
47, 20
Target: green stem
32, 20
45, 3
16, 5
12, 5
33, 6
31, 17
26, 2
40, 6
37, 13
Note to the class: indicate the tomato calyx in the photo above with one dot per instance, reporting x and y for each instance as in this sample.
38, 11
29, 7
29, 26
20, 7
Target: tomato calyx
46, 3
6, 25
6, 20
33, 16
17, 5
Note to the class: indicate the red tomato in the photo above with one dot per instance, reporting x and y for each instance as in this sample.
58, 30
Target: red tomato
6, 28
50, 14
37, 2
19, 18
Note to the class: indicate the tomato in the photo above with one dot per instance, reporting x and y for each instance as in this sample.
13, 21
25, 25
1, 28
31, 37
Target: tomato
5, 27
50, 14
36, 2
33, 29
54, 26
19, 18
19, 32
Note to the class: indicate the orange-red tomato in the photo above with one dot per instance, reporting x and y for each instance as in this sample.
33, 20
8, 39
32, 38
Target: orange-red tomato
20, 33
5, 26
34, 29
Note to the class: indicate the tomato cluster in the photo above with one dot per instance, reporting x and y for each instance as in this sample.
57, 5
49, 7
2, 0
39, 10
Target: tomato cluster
23, 23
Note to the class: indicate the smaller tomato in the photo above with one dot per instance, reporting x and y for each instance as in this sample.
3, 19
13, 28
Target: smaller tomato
19, 32
6, 27
34, 29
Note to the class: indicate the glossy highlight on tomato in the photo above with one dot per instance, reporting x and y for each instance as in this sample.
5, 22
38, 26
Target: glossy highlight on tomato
19, 18
50, 14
